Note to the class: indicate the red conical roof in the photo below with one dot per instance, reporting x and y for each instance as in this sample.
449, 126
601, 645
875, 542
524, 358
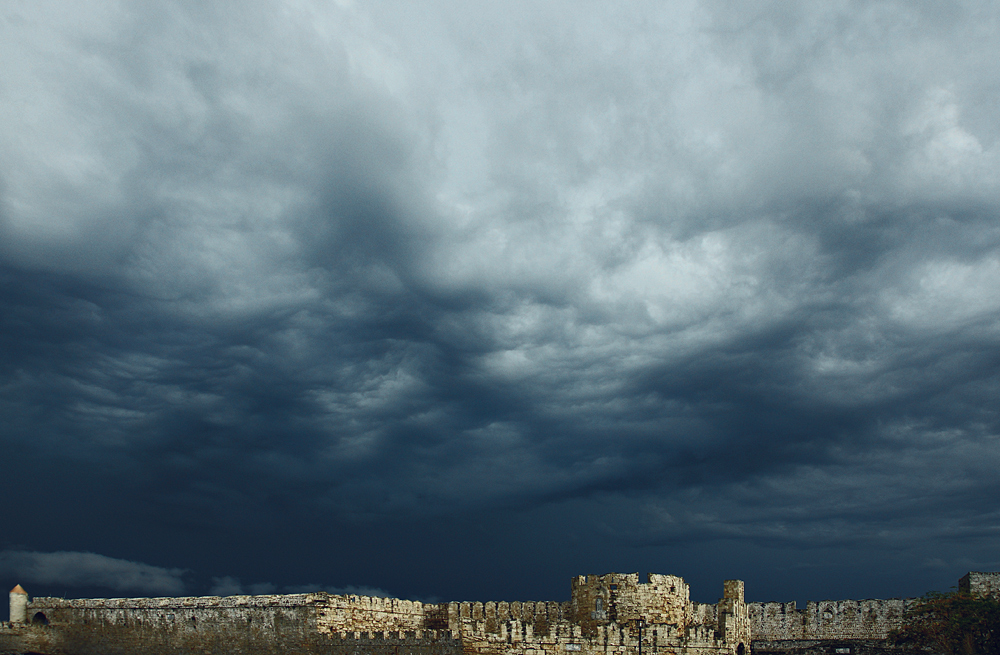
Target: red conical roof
18, 590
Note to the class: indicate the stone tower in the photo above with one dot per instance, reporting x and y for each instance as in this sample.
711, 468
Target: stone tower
18, 605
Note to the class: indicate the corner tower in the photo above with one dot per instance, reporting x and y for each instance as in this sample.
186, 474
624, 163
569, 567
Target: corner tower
620, 598
734, 618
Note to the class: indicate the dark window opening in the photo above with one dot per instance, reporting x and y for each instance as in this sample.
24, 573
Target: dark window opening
741, 649
39, 619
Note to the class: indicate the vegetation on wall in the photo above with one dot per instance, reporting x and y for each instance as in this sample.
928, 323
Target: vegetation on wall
952, 623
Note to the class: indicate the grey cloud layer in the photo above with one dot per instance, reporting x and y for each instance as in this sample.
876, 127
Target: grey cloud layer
90, 570
391, 261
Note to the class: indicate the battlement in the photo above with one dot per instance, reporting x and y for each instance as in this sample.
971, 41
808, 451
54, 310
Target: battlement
628, 614
398, 636
608, 614
828, 619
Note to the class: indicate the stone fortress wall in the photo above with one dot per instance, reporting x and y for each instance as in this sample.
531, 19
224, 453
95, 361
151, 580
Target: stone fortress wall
613, 613
978, 583
839, 627
269, 624
828, 619
842, 627
610, 613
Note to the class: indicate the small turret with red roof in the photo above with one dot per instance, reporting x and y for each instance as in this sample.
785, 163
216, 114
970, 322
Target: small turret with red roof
18, 605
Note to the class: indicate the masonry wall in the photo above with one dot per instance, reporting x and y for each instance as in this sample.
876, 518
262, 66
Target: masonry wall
17, 638
236, 624
845, 627
515, 638
828, 619
77, 640
980, 584
606, 614
343, 615
467, 617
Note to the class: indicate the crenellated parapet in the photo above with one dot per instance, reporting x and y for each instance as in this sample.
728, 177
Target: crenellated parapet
352, 613
829, 619
606, 614
842, 627
609, 614
491, 617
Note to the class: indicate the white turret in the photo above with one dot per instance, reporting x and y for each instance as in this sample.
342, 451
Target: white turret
18, 605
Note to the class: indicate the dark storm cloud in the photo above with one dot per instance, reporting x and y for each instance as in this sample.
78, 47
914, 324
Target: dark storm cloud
693, 273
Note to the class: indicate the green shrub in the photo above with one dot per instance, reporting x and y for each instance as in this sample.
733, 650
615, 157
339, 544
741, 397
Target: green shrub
952, 624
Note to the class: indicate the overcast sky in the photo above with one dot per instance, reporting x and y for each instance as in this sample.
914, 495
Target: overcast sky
456, 300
